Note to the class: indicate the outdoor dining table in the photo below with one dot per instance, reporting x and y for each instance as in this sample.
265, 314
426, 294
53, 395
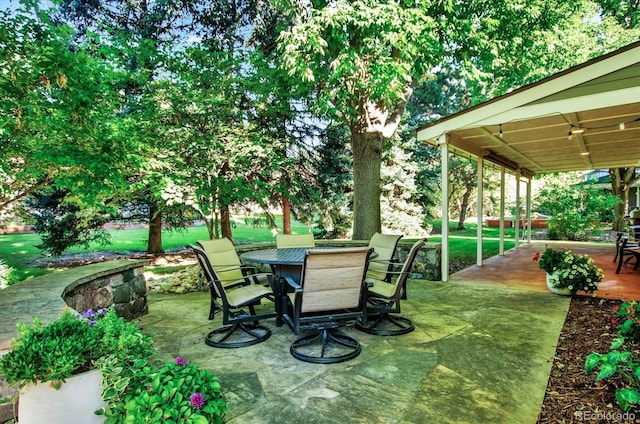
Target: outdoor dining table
285, 263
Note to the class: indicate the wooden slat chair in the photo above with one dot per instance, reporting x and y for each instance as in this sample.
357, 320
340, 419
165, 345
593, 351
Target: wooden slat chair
232, 289
295, 240
383, 300
331, 294
385, 247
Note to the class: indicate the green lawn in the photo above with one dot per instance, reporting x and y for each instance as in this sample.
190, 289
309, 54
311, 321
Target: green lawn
19, 251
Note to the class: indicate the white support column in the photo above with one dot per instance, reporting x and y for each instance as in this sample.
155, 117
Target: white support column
517, 217
528, 210
444, 180
502, 192
480, 210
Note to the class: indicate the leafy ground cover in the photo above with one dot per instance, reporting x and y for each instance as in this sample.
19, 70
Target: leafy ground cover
571, 394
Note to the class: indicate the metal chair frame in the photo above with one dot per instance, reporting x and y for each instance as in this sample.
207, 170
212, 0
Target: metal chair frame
308, 310
626, 255
230, 296
383, 302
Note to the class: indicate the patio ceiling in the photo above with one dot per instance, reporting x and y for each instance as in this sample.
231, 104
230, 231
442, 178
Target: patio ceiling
587, 117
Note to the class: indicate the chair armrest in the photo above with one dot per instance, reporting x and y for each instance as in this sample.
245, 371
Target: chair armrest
297, 287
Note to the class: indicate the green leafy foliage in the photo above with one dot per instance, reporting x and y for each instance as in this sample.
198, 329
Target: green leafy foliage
62, 225
70, 345
57, 104
621, 360
575, 208
177, 392
550, 260
627, 318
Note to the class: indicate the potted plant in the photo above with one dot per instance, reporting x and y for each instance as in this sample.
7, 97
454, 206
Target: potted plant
568, 272
48, 362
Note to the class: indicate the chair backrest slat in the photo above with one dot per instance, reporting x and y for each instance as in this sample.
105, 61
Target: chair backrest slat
385, 247
295, 240
333, 278
400, 279
224, 260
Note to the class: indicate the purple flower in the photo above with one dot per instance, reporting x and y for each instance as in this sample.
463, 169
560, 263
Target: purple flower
89, 314
197, 400
100, 312
180, 361
92, 323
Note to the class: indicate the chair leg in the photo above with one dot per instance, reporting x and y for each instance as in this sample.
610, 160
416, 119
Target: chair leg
385, 324
236, 335
620, 261
327, 341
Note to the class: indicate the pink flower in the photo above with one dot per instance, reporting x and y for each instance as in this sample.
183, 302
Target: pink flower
180, 361
197, 400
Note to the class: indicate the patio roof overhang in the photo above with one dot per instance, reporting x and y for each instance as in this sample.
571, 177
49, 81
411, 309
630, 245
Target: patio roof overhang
587, 117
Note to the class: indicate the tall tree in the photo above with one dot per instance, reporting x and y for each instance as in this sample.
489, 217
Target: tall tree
362, 60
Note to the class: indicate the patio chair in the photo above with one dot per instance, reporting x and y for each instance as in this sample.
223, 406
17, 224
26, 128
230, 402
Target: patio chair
626, 253
385, 247
620, 236
232, 288
331, 294
295, 240
383, 300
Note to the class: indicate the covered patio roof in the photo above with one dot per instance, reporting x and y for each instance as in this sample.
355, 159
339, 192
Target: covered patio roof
584, 118
587, 117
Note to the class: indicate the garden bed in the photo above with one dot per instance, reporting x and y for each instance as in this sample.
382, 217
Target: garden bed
571, 395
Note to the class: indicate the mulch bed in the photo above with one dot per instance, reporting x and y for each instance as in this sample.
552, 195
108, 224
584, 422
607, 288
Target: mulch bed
571, 395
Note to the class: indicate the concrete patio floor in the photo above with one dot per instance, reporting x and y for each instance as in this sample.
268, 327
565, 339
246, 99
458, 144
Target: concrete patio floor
481, 353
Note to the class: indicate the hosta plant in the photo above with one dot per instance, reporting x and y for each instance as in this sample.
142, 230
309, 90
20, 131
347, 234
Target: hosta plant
177, 392
619, 361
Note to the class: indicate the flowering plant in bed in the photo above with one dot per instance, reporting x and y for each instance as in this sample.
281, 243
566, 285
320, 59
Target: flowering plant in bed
628, 319
177, 392
570, 270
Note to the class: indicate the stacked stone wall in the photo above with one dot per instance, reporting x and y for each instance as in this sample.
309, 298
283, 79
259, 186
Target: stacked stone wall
125, 290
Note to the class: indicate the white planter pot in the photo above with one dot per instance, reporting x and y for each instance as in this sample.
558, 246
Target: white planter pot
560, 291
73, 403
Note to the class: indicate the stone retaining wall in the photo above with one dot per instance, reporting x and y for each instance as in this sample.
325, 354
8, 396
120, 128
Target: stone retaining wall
120, 284
125, 290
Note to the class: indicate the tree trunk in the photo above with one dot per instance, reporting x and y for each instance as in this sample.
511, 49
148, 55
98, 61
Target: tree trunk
621, 180
286, 216
154, 244
225, 222
367, 158
463, 208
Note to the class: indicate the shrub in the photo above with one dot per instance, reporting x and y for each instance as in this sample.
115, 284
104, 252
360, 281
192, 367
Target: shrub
575, 209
